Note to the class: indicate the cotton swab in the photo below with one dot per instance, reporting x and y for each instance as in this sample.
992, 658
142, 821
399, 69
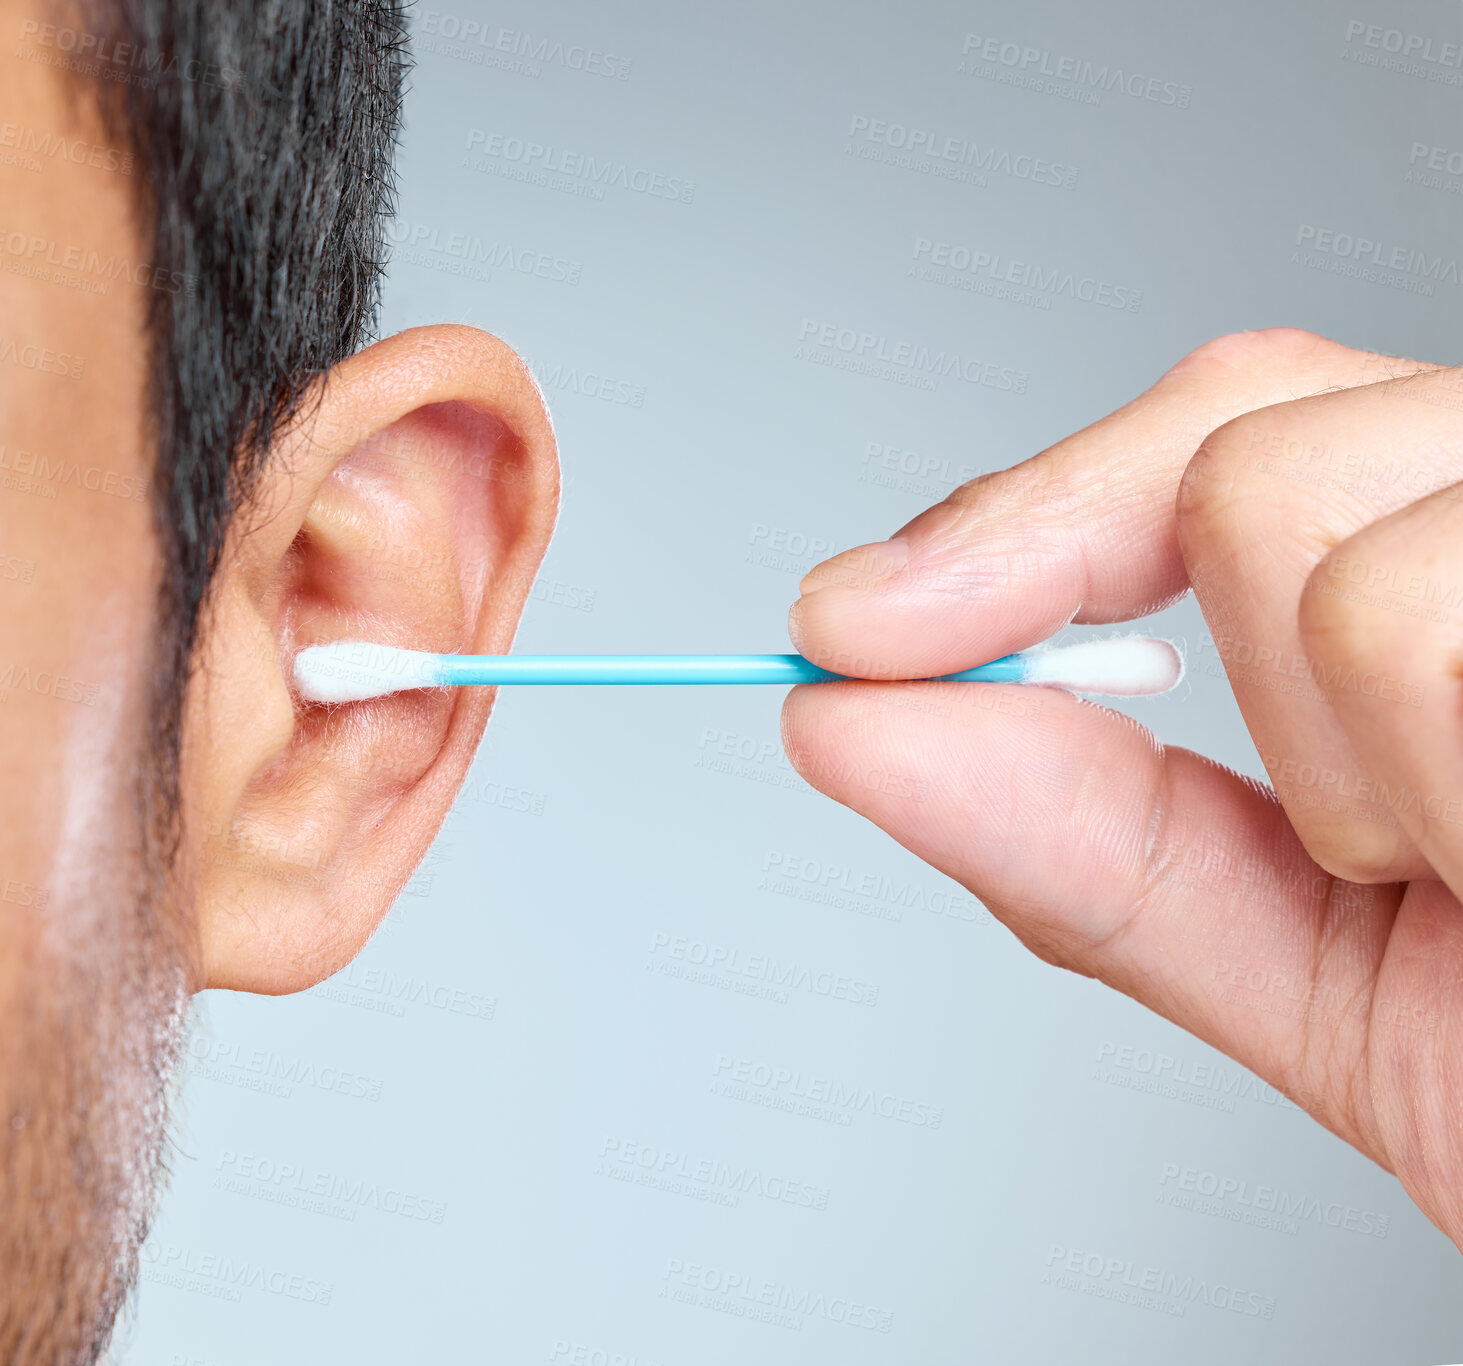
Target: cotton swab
355, 670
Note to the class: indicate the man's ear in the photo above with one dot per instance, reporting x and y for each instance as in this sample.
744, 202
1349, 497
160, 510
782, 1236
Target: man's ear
411, 505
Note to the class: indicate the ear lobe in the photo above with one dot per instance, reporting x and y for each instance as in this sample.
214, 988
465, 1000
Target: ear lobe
412, 506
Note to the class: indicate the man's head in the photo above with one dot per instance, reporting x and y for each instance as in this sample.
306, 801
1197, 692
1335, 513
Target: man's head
200, 473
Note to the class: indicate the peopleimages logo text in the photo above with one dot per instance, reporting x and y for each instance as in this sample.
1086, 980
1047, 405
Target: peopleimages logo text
528, 46
930, 364
595, 172
1121, 1274
1421, 46
941, 261
1402, 260
1078, 71
925, 143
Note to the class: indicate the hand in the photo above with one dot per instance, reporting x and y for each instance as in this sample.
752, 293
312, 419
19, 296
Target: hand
1313, 932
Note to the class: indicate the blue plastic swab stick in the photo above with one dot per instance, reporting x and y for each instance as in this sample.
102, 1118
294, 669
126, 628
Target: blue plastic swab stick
786, 669
353, 671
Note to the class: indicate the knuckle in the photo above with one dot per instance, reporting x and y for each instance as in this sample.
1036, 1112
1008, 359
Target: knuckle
1265, 348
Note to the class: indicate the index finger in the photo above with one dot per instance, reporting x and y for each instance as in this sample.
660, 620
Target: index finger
1084, 531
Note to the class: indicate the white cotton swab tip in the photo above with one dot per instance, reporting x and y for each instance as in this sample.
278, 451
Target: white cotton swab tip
356, 670
1130, 666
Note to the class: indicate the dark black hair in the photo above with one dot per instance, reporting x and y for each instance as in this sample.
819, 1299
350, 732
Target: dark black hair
264, 133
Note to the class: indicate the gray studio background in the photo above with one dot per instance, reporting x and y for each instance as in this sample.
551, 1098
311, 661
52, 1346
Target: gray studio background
514, 1131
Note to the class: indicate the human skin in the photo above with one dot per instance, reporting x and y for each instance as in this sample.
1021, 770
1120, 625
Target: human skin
1306, 493
411, 503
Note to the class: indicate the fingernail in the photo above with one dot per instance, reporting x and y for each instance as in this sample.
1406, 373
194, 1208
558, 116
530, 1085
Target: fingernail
861, 567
